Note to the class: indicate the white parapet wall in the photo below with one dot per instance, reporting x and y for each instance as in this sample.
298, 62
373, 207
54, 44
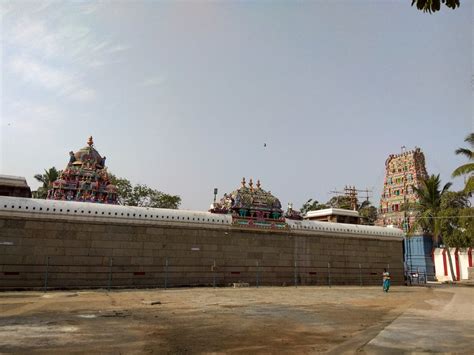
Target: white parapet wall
461, 259
73, 211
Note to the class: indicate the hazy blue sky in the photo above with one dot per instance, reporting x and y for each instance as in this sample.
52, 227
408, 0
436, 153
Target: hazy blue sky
183, 96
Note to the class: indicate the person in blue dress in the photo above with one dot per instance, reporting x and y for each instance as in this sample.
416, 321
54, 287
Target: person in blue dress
386, 280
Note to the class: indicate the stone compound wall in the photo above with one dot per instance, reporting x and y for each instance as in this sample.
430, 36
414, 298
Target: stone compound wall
85, 253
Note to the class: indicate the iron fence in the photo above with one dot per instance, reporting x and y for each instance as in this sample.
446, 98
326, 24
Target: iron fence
416, 276
170, 273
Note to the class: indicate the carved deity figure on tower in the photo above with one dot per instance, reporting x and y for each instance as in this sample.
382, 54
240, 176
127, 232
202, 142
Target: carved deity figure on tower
85, 178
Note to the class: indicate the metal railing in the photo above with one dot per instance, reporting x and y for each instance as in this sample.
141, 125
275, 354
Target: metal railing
171, 273
416, 276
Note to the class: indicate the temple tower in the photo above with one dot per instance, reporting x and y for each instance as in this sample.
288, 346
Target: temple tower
403, 172
252, 206
84, 179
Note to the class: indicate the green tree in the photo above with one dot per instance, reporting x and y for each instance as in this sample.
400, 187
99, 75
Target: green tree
456, 220
368, 213
312, 205
47, 179
434, 5
429, 205
143, 196
430, 195
343, 202
457, 227
467, 170
455, 200
124, 189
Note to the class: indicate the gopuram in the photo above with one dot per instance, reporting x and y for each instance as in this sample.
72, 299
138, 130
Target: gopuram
253, 207
84, 179
403, 172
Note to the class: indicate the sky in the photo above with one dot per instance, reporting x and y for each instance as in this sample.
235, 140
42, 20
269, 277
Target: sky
183, 96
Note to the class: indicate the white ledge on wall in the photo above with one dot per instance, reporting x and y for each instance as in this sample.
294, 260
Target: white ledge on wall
96, 211
38, 208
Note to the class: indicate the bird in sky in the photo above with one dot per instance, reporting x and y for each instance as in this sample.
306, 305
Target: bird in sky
264, 144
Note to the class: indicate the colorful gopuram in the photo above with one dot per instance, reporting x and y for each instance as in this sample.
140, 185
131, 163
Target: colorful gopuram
403, 172
251, 206
84, 179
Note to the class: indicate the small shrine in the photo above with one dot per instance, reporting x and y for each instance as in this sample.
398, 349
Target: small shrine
251, 206
84, 179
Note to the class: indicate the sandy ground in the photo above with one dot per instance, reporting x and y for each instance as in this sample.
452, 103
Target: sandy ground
205, 320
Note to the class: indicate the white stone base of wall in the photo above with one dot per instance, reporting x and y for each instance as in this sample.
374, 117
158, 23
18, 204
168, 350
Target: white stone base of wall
470, 273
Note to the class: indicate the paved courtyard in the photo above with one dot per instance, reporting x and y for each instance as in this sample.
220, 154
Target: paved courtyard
246, 320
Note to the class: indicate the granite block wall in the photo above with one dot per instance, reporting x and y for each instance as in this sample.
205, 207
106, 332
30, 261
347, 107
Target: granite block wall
81, 254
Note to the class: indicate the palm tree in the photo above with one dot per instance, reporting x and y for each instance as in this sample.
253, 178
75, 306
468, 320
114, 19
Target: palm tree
429, 206
467, 169
47, 179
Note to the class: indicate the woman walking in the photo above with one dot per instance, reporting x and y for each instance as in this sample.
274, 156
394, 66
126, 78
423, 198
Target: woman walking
386, 280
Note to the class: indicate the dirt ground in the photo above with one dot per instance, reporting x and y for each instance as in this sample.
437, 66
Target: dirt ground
204, 320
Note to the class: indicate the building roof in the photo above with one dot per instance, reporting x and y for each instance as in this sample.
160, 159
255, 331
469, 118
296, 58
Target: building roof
14, 181
331, 212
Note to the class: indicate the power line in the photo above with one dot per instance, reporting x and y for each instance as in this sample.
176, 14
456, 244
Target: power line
444, 217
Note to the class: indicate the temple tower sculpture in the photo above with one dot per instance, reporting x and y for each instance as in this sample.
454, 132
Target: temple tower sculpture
84, 179
403, 172
252, 206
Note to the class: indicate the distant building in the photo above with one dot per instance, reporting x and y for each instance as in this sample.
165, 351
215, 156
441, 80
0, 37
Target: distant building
15, 186
335, 215
403, 172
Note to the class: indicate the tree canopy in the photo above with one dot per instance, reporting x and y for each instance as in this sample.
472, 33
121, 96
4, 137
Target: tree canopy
456, 220
343, 202
431, 6
142, 195
446, 215
467, 169
129, 195
367, 212
47, 179
312, 205
429, 204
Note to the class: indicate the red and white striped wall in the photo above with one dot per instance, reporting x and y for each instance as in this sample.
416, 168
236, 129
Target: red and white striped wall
461, 259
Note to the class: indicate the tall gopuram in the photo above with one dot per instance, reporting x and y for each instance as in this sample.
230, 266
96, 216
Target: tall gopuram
251, 206
403, 172
84, 179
